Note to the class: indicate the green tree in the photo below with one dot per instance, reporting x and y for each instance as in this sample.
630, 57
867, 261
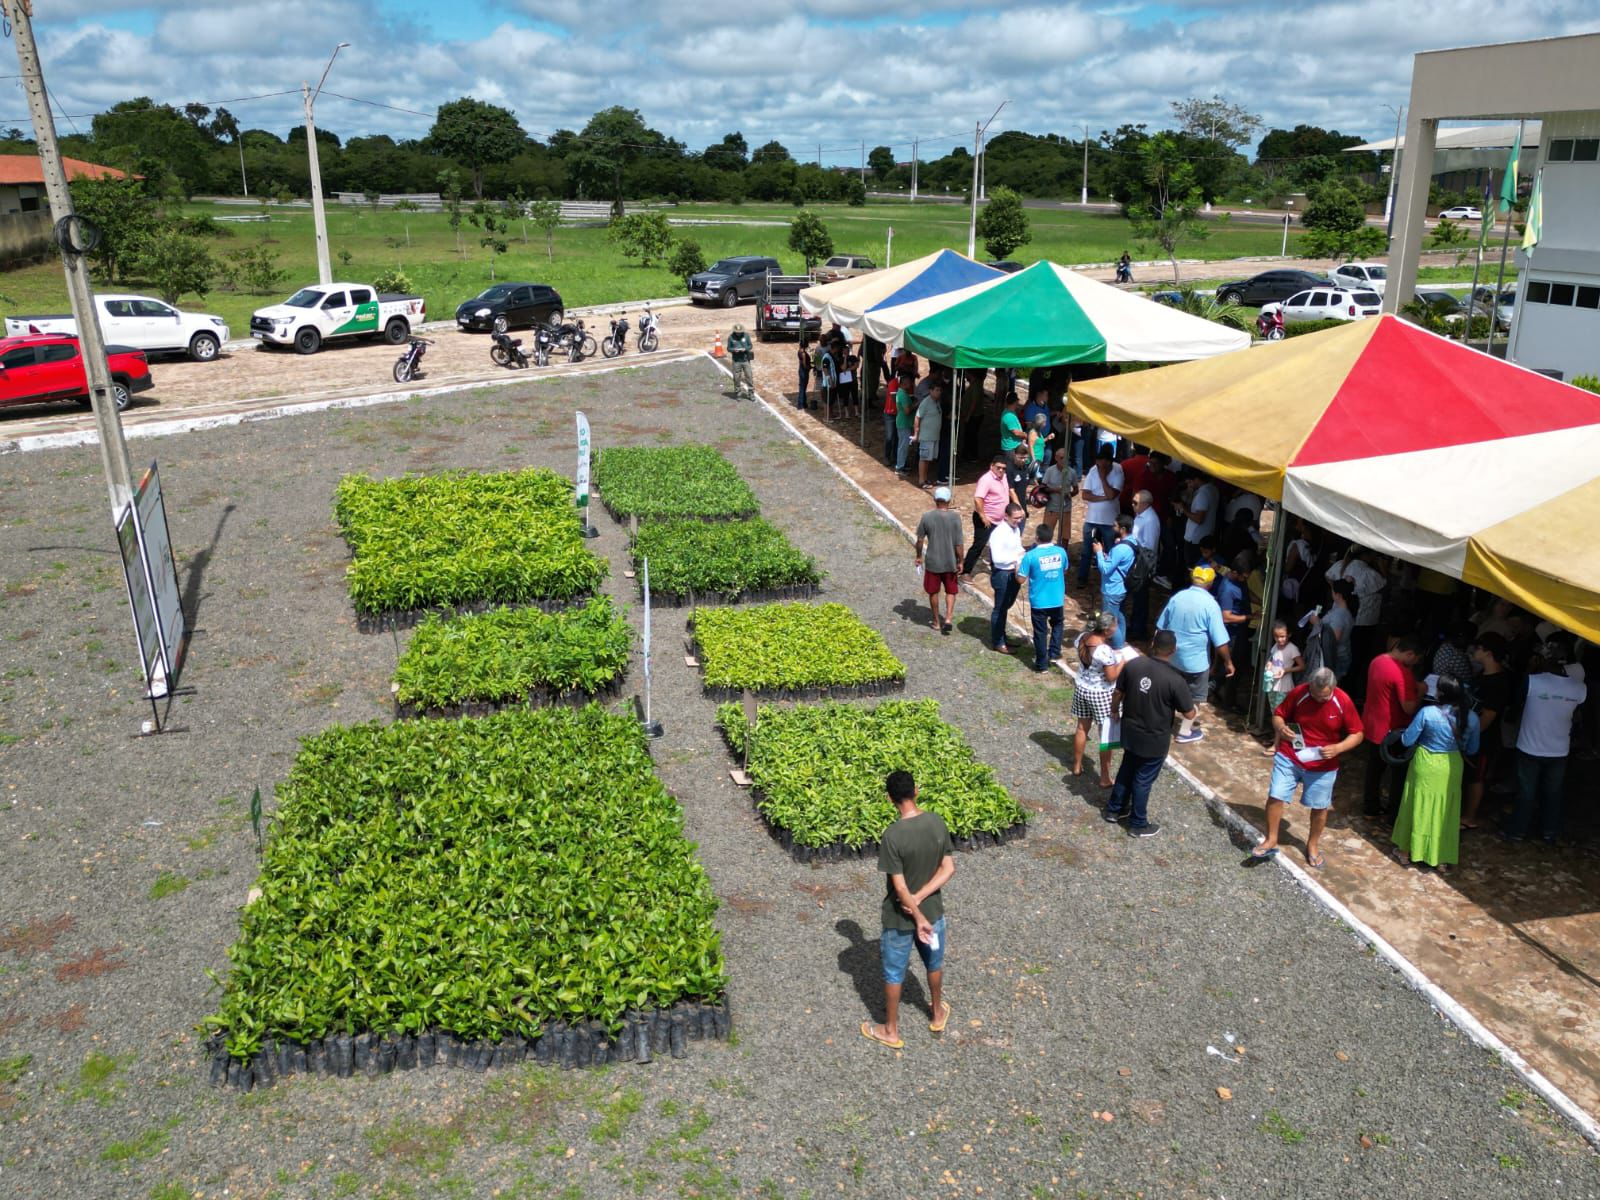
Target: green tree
125, 215
770, 153
476, 134
880, 160
1336, 224
406, 208
546, 215
175, 263
1209, 307
1168, 212
727, 155
450, 194
687, 259
645, 236
1447, 234
1003, 223
809, 237
154, 140
1216, 120
492, 221
614, 139
855, 192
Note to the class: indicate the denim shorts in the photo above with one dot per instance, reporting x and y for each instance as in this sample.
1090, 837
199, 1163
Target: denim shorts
895, 950
1287, 774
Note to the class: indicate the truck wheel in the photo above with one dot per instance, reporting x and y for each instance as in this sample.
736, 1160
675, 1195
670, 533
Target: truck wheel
730, 297
395, 332
204, 347
121, 394
307, 341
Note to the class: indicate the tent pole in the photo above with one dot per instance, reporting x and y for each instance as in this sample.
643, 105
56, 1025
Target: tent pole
1270, 587
956, 402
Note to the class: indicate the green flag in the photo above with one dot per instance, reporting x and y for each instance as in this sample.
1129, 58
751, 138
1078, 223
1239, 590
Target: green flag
1508, 185
1486, 224
1535, 225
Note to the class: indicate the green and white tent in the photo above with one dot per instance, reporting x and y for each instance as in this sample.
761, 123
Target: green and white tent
1047, 316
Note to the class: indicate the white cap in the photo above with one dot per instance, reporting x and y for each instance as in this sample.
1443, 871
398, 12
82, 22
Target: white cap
941, 493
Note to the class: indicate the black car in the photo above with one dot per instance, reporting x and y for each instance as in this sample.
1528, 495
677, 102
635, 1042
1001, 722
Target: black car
1269, 286
504, 306
730, 280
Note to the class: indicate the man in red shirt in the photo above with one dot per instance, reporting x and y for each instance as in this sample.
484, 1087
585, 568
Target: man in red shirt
1392, 697
1315, 725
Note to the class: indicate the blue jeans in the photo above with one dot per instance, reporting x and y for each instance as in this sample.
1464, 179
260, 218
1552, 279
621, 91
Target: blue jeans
905, 448
1046, 637
1135, 777
891, 438
1113, 604
1539, 785
805, 380
1108, 535
1005, 584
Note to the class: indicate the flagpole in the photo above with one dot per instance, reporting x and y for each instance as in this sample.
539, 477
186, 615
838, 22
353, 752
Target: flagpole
1477, 265
1508, 186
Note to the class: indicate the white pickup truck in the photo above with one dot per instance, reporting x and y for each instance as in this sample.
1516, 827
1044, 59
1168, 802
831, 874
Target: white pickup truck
336, 310
141, 322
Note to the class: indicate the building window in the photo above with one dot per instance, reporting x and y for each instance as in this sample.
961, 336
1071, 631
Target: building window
1561, 293
1574, 150
1538, 293
1589, 297
28, 203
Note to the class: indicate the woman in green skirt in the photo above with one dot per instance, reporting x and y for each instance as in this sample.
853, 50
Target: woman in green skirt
1428, 826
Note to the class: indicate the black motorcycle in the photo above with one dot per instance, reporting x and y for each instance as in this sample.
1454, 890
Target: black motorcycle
409, 364
544, 343
506, 351
615, 342
578, 342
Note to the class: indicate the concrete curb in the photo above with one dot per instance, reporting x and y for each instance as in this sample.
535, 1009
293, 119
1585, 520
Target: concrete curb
1442, 1001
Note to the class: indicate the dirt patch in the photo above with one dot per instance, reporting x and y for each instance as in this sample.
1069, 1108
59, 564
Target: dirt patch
99, 961
36, 937
68, 1020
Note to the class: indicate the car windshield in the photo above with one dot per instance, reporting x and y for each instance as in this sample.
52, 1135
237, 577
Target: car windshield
305, 298
498, 292
1367, 299
837, 262
726, 266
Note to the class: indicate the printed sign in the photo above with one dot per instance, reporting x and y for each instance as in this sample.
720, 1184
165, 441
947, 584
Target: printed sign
583, 462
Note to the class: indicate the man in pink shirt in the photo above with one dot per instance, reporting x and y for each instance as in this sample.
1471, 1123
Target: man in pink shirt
990, 496
1392, 697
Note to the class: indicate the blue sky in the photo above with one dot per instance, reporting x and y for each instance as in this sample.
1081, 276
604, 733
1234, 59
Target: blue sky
837, 72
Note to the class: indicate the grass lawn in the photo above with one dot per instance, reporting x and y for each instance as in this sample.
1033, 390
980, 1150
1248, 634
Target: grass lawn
587, 269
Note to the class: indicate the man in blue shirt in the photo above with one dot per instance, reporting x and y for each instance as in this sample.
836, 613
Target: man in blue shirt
1045, 570
1195, 619
1114, 567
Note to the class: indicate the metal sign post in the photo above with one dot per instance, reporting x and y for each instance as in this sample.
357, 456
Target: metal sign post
582, 487
652, 727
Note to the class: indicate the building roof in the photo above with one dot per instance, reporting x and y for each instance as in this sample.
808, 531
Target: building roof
1473, 137
26, 168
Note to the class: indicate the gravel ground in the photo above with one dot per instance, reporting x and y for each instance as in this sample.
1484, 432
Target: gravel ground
1089, 974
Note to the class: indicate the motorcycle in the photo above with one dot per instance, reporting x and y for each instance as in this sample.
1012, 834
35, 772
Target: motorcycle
507, 351
409, 364
1269, 325
544, 341
649, 338
615, 342
1124, 273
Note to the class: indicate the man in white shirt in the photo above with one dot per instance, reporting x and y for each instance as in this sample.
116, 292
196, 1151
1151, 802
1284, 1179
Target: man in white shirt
1147, 533
1368, 582
1005, 554
1543, 742
1201, 511
1102, 490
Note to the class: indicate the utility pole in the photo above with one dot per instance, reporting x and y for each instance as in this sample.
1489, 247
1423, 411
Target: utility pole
863, 164
1394, 169
74, 238
819, 155
324, 268
977, 153
243, 178
913, 170
1084, 198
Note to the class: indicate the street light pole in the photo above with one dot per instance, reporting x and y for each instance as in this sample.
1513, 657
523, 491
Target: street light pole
1288, 212
977, 151
1394, 168
71, 237
319, 218
1084, 199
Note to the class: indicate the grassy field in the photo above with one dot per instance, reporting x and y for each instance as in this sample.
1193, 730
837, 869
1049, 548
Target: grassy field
587, 269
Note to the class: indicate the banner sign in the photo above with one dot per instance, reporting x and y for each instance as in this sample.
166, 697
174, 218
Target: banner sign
645, 580
583, 462
142, 599
151, 574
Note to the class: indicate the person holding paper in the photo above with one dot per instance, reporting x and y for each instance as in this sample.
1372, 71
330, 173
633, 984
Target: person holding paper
1316, 725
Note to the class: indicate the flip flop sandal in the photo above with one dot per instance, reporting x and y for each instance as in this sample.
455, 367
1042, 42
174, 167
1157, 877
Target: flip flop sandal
1317, 862
1264, 854
866, 1032
938, 1026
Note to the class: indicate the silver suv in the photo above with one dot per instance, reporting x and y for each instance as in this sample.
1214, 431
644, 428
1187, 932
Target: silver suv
730, 280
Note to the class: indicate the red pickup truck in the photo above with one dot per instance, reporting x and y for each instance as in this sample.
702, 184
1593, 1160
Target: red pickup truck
43, 367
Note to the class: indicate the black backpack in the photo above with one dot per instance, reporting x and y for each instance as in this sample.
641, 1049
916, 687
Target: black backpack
1141, 570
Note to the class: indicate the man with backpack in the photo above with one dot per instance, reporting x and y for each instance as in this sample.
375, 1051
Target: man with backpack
1124, 569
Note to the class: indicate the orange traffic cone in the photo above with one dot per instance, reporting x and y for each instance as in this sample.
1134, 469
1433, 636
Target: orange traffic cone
716, 346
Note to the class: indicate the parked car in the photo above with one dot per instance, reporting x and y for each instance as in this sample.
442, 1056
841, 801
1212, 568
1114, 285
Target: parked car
1505, 306
778, 309
337, 310
1361, 277
730, 280
1327, 303
504, 306
843, 266
39, 368
1446, 305
1461, 212
142, 322
1269, 286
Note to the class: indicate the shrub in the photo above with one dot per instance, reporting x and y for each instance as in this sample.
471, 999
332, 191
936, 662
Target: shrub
397, 282
1589, 383
671, 481
646, 236
1298, 328
819, 770
687, 259
426, 541
513, 654
726, 558
483, 876
791, 647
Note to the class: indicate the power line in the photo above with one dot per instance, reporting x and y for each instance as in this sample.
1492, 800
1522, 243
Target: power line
378, 104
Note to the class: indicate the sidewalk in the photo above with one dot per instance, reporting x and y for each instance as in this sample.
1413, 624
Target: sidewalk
1513, 933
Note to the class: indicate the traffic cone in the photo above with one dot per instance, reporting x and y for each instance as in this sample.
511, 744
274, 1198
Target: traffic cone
716, 346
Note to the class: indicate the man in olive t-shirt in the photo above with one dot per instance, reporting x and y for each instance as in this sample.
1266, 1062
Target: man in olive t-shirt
918, 858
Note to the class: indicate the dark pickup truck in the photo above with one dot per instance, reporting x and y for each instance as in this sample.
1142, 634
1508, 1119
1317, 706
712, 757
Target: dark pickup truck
778, 307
